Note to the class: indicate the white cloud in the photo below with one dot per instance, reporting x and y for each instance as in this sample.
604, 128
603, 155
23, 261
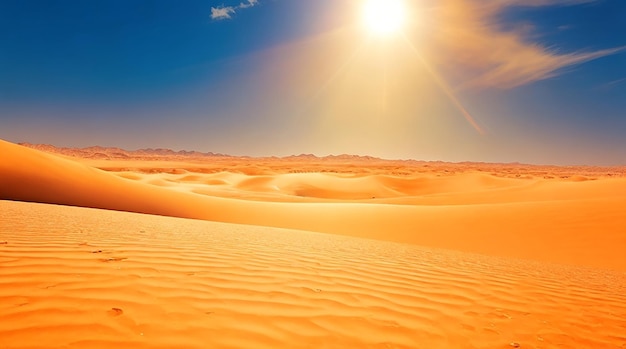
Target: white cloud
223, 12
226, 12
250, 3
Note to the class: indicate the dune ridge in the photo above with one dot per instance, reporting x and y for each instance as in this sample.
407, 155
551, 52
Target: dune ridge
75, 278
553, 221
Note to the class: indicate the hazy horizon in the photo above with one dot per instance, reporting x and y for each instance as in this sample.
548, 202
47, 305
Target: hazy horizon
462, 80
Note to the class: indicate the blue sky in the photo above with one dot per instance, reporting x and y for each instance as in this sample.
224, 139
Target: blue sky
545, 80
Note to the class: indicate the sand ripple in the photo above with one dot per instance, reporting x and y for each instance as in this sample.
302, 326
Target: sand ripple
84, 278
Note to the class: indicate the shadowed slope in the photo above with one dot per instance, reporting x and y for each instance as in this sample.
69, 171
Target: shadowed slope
566, 222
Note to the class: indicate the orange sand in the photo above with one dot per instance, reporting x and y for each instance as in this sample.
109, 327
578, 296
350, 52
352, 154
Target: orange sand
88, 278
564, 220
84, 278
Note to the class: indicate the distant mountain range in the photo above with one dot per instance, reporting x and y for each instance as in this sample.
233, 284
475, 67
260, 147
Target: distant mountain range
514, 169
98, 152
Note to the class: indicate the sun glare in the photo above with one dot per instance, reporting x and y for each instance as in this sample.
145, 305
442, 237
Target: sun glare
384, 17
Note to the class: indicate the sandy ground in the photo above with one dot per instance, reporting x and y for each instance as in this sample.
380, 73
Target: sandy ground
85, 278
419, 255
560, 215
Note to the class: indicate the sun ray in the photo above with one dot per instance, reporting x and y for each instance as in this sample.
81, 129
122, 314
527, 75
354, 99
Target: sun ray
336, 74
445, 88
385, 88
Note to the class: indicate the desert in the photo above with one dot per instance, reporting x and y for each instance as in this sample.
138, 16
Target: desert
225, 252
327, 174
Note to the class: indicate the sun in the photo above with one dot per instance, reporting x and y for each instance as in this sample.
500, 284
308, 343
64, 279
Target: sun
384, 17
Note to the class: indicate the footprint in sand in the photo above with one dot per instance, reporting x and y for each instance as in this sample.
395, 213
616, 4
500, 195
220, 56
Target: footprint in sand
115, 312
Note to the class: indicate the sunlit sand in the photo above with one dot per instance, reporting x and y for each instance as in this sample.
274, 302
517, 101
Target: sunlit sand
291, 241
383, 254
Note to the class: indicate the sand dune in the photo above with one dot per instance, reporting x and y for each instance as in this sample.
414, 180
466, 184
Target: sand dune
563, 221
87, 278
84, 278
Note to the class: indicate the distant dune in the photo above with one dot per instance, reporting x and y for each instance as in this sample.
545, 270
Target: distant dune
563, 220
145, 159
84, 277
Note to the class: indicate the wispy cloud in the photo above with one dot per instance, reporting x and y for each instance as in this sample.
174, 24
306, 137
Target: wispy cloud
611, 84
227, 12
469, 40
223, 12
546, 2
250, 3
